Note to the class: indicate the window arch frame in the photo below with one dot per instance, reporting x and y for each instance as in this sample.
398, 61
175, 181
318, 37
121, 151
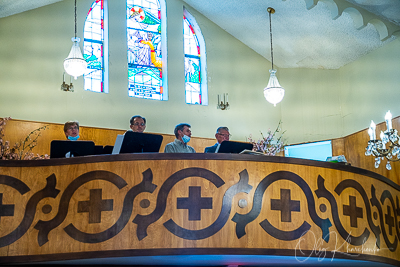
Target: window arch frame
103, 58
202, 58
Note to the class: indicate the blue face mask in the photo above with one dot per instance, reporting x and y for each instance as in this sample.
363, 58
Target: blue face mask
73, 138
185, 139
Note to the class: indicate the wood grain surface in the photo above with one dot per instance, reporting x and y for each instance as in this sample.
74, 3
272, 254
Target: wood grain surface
154, 204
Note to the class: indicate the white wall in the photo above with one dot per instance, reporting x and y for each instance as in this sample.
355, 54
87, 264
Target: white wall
34, 44
372, 87
325, 104
318, 104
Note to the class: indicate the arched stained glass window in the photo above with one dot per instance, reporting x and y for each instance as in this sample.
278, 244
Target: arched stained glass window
195, 63
145, 49
95, 47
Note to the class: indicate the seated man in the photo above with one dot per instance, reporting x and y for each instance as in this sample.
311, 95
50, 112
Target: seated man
221, 135
71, 130
182, 133
138, 124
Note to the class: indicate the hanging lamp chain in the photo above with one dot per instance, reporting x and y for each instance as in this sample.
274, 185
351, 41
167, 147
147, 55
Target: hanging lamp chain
271, 11
75, 18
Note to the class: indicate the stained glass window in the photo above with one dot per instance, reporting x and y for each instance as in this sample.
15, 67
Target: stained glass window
195, 82
144, 37
95, 78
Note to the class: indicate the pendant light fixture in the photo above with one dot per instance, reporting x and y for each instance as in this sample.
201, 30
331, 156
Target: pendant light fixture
75, 65
274, 92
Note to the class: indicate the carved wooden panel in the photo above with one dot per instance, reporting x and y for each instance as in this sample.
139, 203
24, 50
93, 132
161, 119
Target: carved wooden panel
127, 205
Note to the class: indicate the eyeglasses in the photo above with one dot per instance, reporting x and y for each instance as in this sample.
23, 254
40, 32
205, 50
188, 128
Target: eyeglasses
225, 135
137, 124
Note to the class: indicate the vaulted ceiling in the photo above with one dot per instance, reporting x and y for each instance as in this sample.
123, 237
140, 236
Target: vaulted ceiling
325, 34
318, 34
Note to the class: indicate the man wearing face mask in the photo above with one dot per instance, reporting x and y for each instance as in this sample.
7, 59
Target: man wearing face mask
182, 133
71, 130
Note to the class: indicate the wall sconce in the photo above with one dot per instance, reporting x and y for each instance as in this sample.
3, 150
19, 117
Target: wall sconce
223, 102
67, 87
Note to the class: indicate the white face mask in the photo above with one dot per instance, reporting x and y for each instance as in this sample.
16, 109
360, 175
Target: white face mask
185, 139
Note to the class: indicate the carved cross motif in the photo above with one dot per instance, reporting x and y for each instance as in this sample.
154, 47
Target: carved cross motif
5, 210
194, 203
95, 205
285, 205
389, 219
353, 211
397, 211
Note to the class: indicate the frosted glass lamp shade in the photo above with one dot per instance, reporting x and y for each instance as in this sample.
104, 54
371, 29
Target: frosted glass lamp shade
75, 65
273, 93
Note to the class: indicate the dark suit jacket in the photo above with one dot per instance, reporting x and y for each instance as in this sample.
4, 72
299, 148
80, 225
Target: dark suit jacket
211, 149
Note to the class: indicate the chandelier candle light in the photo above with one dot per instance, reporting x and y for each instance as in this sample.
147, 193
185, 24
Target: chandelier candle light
274, 92
75, 65
223, 102
378, 147
65, 87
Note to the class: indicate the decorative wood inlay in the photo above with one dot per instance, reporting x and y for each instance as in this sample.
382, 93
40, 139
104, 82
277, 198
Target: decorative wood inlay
155, 204
285, 205
353, 211
95, 205
5, 210
194, 203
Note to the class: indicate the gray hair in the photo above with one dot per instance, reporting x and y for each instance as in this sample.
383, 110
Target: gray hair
180, 127
222, 128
